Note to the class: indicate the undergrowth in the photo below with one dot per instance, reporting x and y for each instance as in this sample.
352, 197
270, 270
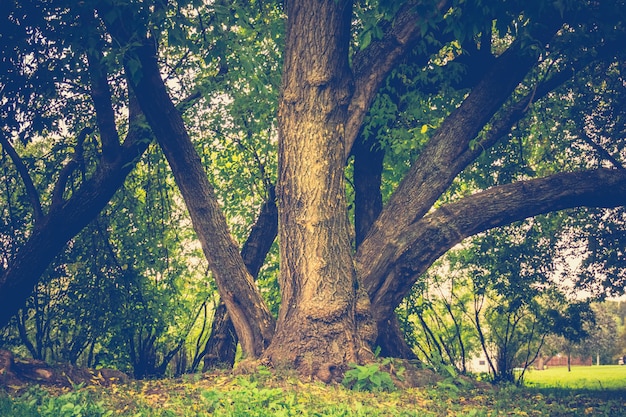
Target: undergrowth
265, 394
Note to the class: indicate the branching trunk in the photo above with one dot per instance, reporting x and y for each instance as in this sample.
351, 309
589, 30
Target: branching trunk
65, 219
221, 346
447, 153
420, 244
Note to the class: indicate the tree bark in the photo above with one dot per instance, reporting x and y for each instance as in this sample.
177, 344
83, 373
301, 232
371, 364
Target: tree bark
316, 330
391, 340
221, 346
250, 315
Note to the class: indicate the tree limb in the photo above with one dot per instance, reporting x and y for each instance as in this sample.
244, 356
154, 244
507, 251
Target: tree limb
372, 65
446, 154
31, 191
101, 97
68, 169
420, 244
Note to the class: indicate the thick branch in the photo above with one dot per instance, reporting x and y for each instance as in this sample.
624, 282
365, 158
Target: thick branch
221, 346
420, 244
443, 158
105, 116
31, 191
65, 221
250, 315
372, 65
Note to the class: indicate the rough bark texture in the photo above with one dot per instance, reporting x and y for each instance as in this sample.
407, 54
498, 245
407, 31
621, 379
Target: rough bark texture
250, 315
316, 330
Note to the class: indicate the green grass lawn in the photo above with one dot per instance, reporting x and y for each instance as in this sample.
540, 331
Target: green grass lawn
604, 377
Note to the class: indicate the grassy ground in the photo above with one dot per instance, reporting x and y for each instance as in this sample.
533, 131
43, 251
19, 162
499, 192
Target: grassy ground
265, 395
606, 377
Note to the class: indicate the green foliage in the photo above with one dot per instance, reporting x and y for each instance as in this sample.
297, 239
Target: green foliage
597, 378
248, 396
367, 378
376, 376
37, 402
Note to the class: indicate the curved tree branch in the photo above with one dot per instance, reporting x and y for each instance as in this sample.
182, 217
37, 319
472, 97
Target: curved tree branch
250, 315
31, 191
65, 221
372, 65
447, 153
420, 244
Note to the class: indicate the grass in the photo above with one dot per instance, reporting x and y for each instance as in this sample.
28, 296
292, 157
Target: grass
606, 377
264, 394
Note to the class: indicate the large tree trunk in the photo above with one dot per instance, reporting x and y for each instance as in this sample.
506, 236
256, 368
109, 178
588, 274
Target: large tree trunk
317, 328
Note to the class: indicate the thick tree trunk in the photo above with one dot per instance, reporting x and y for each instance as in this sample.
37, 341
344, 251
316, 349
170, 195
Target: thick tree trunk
250, 315
317, 329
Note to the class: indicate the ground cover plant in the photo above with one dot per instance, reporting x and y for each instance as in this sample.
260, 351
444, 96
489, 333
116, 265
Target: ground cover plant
264, 394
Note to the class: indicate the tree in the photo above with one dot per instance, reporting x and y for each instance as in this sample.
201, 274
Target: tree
338, 300
602, 341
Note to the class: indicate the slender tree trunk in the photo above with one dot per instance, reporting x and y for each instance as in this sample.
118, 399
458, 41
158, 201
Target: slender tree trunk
221, 346
250, 315
317, 327
569, 361
368, 199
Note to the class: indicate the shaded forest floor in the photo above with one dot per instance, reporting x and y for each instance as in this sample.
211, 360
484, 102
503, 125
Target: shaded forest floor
267, 394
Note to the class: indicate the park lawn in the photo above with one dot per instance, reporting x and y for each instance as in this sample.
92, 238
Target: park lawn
604, 377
